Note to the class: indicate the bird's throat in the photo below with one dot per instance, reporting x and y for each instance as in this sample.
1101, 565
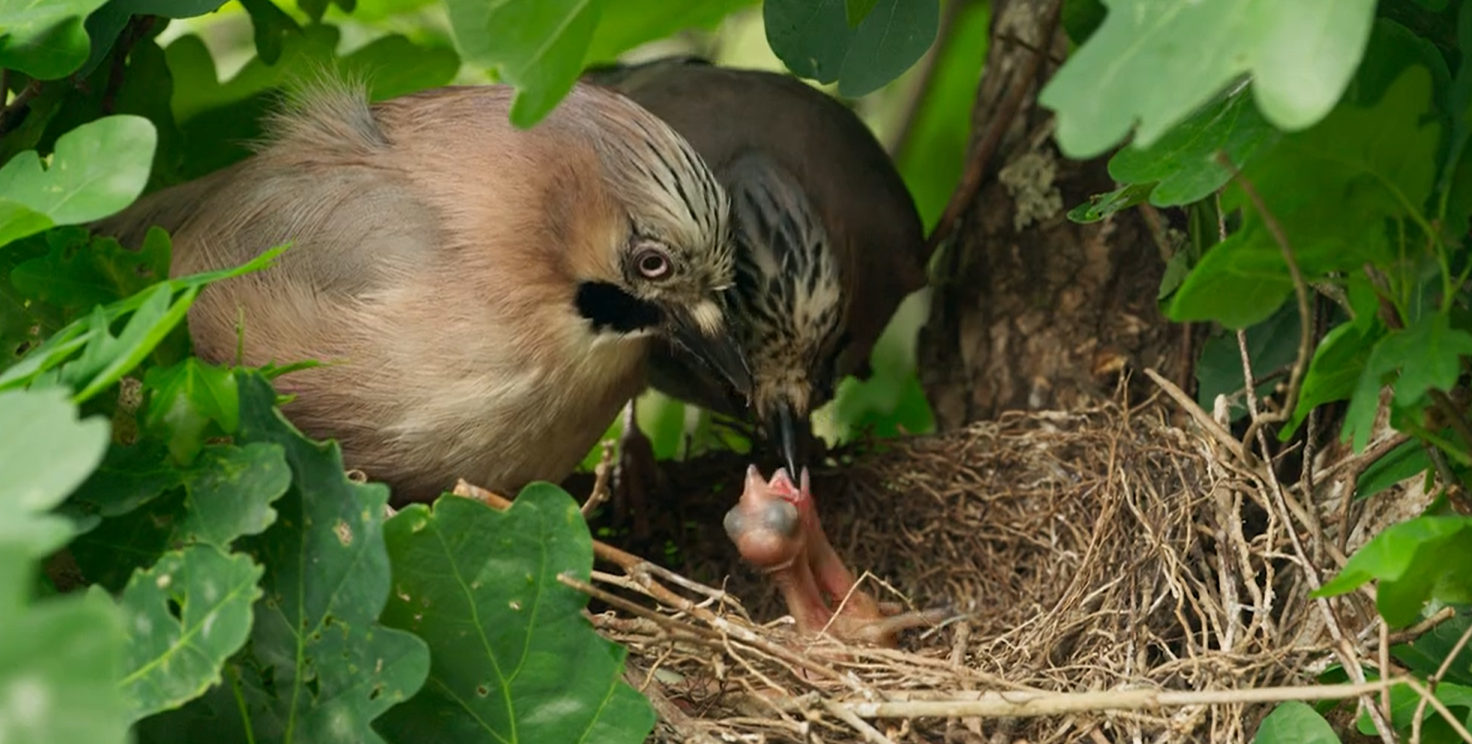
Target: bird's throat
612, 310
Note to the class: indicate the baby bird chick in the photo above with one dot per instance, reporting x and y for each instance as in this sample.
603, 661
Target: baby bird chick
776, 529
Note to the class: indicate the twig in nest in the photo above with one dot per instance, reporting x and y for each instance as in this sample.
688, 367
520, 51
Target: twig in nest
1300, 291
1307, 562
1031, 704
976, 164
1203, 419
1436, 679
601, 472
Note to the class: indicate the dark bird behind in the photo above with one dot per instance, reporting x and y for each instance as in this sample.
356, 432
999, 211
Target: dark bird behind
484, 297
828, 238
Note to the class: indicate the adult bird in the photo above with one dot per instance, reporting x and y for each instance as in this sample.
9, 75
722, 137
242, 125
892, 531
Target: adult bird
484, 297
828, 238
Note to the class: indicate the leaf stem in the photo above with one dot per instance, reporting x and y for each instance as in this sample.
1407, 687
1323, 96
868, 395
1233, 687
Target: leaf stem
1301, 293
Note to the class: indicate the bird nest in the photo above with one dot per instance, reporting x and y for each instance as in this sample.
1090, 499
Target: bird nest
1120, 577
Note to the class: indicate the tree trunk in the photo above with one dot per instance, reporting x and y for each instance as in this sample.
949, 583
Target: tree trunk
1030, 310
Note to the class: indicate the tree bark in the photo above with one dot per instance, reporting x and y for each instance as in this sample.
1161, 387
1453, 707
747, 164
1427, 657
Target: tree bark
1030, 310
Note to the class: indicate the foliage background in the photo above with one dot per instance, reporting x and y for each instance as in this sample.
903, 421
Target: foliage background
238, 586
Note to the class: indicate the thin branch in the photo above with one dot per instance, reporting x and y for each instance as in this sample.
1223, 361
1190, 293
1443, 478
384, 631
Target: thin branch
1300, 291
1436, 679
1204, 420
1031, 704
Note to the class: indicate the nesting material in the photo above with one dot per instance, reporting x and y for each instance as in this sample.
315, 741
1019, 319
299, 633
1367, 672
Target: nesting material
1107, 551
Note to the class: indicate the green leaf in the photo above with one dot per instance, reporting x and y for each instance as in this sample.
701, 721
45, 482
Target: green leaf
1100, 206
626, 24
45, 40
1414, 561
536, 45
1183, 160
1430, 353
319, 667
1332, 189
18, 221
1081, 18
45, 453
185, 616
536, 670
855, 11
1295, 723
59, 663
1401, 463
1153, 62
1333, 373
186, 398
226, 494
81, 271
814, 39
1427, 356
106, 358
230, 492
272, 26
1426, 654
1271, 344
97, 169
116, 356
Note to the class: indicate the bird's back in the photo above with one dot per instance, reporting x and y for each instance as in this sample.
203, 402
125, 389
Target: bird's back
430, 269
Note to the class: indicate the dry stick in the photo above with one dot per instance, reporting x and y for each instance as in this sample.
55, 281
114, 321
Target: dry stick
600, 493
669, 712
976, 164
1029, 704
1436, 679
1300, 290
1446, 715
842, 713
636, 565
1343, 649
1204, 420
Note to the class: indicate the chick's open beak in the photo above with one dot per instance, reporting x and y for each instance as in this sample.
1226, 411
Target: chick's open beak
702, 330
792, 432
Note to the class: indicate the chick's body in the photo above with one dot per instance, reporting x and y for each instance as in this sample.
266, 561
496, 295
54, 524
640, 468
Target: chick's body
468, 285
829, 240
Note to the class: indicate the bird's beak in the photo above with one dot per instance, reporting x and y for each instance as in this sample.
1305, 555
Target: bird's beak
703, 331
792, 432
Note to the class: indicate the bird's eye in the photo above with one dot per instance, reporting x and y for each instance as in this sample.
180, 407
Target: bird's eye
652, 263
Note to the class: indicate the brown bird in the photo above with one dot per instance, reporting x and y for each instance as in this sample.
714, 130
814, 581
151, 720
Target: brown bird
484, 297
828, 238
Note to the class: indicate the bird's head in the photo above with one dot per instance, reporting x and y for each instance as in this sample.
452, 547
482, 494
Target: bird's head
788, 301
675, 257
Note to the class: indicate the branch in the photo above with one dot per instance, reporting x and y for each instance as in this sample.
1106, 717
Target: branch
1300, 291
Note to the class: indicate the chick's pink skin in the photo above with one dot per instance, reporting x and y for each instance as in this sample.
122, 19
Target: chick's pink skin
775, 527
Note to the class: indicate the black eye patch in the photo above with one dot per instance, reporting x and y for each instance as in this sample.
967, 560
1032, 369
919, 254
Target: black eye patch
613, 310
